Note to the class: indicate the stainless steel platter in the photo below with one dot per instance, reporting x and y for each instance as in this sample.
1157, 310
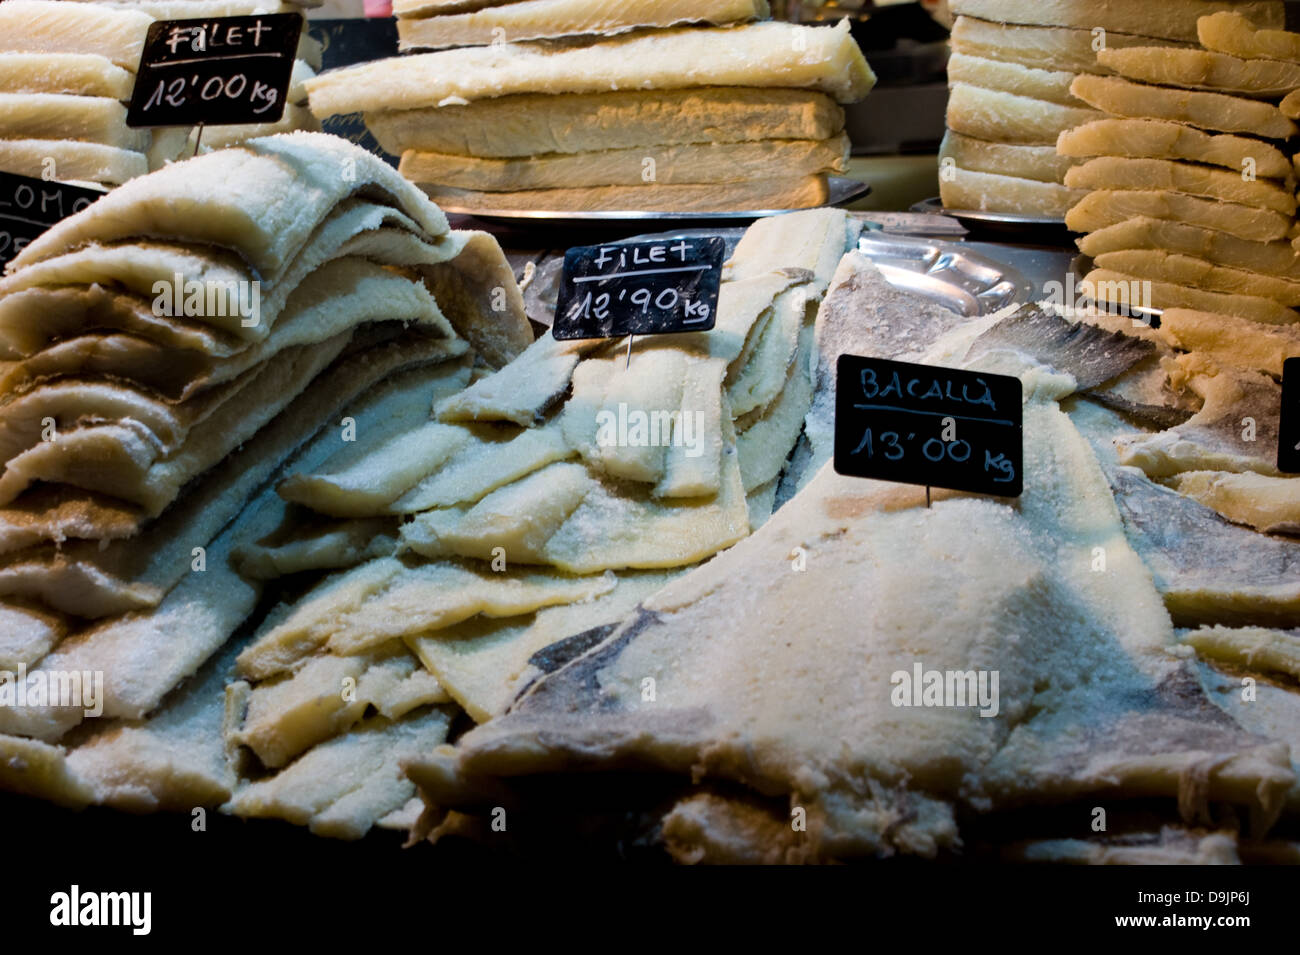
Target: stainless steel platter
1008, 225
841, 191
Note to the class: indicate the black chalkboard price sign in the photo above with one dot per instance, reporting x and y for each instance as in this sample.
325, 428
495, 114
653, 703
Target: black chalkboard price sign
920, 424
225, 71
30, 206
1288, 452
640, 288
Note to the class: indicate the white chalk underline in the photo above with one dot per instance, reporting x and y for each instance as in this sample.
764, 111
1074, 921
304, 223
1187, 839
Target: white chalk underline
619, 275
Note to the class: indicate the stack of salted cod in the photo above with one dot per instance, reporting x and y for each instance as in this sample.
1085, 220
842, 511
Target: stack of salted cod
764, 683
1011, 73
680, 119
145, 406
1192, 196
517, 516
67, 71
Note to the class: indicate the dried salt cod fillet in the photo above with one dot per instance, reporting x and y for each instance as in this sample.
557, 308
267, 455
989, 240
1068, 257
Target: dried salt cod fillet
1118, 173
1270, 505
1232, 342
478, 292
485, 662
1209, 111
368, 486
1050, 85
89, 162
810, 241
1160, 139
1103, 285
965, 189
344, 786
123, 460
353, 612
33, 768
93, 580
1240, 33
764, 446
1251, 648
263, 199
1185, 270
1106, 208
693, 464
1202, 70
1235, 430
1005, 117
485, 464
849, 755
295, 118
692, 163
27, 634
800, 192
760, 503
78, 74
529, 124
758, 381
1169, 846
306, 543
60, 514
31, 26
760, 54
416, 9
174, 760
543, 19
863, 314
145, 655
523, 391
708, 829
1208, 571
1042, 48
319, 545
1277, 259
1003, 159
1172, 19
91, 119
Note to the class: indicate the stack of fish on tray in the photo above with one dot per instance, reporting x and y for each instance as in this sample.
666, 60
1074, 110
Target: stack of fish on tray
67, 70
166, 352
750, 711
670, 118
1022, 74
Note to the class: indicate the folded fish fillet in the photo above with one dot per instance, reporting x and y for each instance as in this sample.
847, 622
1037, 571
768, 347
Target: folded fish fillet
1041, 48
670, 165
1173, 19
1198, 273
1204, 70
1230, 341
1050, 85
987, 192
86, 162
530, 124
79, 74
263, 199
36, 26
1215, 112
1117, 173
1161, 139
1276, 259
1271, 505
90, 119
1003, 117
1041, 163
1253, 648
1110, 207
760, 54
541, 19
1239, 32
796, 193
1117, 288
